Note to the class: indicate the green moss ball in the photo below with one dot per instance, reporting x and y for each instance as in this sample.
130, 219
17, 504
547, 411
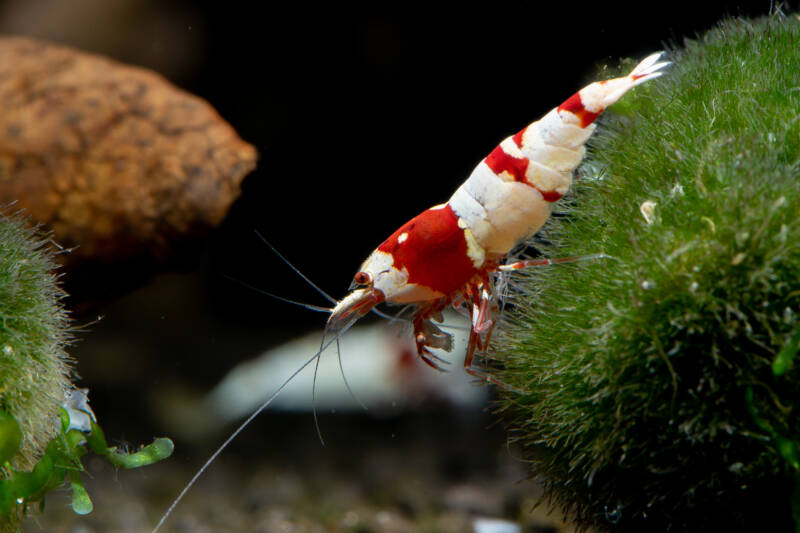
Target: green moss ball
649, 398
34, 369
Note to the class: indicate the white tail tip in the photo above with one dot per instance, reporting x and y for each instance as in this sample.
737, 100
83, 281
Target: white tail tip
648, 69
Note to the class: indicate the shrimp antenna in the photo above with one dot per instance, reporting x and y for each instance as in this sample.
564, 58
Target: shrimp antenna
311, 307
314, 308
344, 378
297, 270
314, 385
307, 280
314, 395
245, 424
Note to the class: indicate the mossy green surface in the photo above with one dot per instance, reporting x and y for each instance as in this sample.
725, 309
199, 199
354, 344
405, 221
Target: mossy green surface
34, 373
34, 369
39, 447
649, 396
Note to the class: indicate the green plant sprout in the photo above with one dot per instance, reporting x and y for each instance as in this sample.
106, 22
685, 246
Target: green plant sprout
62, 461
46, 425
659, 390
34, 331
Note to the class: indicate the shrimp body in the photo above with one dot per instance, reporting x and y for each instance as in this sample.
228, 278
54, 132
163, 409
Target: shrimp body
451, 253
448, 253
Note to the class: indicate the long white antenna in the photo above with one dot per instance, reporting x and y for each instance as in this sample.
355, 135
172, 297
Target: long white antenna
307, 280
244, 425
297, 270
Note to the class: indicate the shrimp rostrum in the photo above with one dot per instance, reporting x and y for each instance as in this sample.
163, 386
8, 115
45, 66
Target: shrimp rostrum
448, 254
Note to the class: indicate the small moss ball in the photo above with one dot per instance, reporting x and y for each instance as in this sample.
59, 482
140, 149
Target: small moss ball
34, 369
649, 400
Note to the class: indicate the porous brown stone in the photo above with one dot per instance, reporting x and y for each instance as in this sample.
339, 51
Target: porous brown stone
115, 160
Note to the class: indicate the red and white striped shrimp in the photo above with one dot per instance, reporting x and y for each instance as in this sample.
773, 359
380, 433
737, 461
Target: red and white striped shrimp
447, 254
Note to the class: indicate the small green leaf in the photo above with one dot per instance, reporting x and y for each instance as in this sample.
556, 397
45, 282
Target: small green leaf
64, 416
32, 485
7, 497
152, 453
81, 503
10, 437
74, 440
97, 440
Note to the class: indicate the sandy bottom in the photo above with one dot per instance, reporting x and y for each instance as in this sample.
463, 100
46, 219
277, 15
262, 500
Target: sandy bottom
419, 472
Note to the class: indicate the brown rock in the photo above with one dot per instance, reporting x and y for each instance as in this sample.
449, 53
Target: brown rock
114, 159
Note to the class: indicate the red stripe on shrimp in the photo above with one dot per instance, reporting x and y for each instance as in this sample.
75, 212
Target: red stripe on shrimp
574, 105
550, 196
517, 138
500, 161
433, 250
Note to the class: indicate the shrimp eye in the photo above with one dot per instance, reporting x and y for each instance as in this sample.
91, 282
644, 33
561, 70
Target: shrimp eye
363, 278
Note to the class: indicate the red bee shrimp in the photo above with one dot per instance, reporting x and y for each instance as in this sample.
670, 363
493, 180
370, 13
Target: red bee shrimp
447, 254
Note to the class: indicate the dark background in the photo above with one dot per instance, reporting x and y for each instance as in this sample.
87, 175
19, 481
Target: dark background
362, 118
